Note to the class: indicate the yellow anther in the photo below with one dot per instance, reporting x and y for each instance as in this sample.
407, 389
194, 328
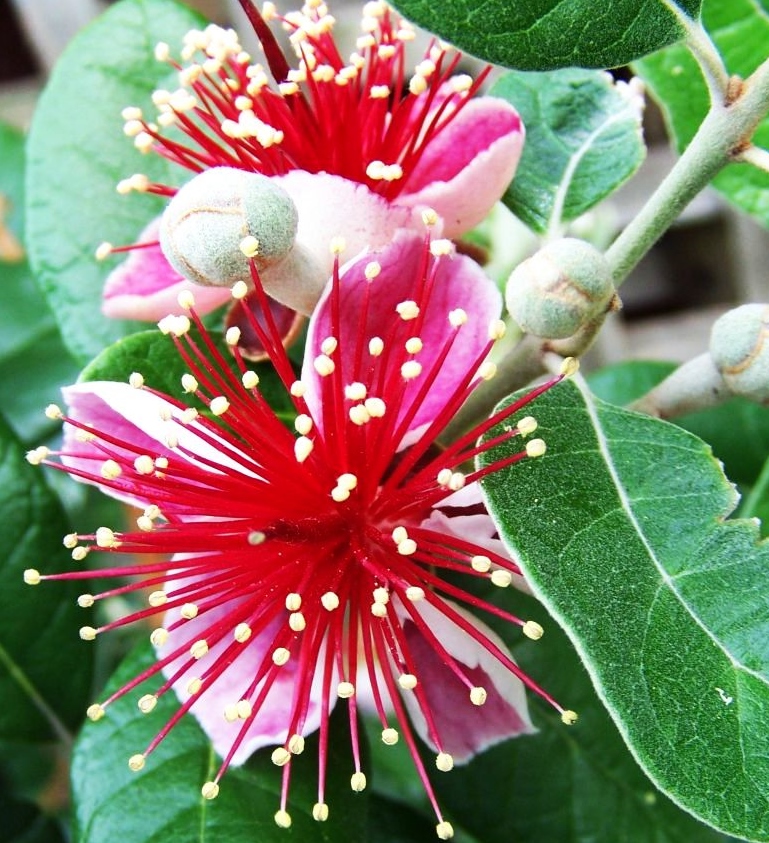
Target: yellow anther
531, 629
85, 601
189, 611
345, 690
199, 649
444, 762
330, 601
407, 681
219, 405
358, 781
32, 576
478, 695
280, 656
157, 598
501, 578
210, 790
390, 736
320, 812
88, 633
158, 637
95, 712
569, 717
249, 246
282, 818
239, 290
249, 379
136, 762
414, 593
570, 366
535, 447
242, 633
186, 299
481, 564
527, 425
147, 703
457, 317
296, 744
444, 830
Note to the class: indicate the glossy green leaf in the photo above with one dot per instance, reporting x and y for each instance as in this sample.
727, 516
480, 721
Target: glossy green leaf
31, 350
583, 140
45, 669
155, 356
576, 783
620, 530
163, 801
737, 430
77, 153
548, 34
740, 30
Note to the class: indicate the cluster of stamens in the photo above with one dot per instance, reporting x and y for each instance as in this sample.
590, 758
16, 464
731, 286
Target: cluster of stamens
304, 549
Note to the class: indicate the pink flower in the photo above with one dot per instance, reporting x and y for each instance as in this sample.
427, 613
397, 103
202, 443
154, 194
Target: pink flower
410, 141
307, 567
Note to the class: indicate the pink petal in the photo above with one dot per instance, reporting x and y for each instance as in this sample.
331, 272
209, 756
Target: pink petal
270, 725
466, 169
464, 728
145, 286
460, 283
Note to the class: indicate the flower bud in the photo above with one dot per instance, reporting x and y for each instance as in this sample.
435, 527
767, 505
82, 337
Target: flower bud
563, 287
204, 227
740, 351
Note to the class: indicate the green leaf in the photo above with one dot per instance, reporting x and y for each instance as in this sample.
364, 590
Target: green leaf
563, 783
163, 801
24, 822
77, 153
30, 346
740, 30
395, 822
583, 140
155, 356
737, 430
45, 670
549, 34
620, 530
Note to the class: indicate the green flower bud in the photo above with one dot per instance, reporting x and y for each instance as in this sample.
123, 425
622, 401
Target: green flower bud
739, 346
220, 219
563, 287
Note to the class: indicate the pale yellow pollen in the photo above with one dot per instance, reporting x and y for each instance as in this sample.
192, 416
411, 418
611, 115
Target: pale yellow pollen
210, 790
79, 553
461, 83
497, 329
366, 41
375, 170
535, 447
390, 736
481, 564
189, 611
136, 762
355, 391
444, 476
269, 11
189, 415
219, 405
199, 649
110, 470
444, 762
375, 407
106, 538
358, 781
324, 365
70, 540
379, 610
407, 547
230, 713
239, 290
320, 812
429, 217
531, 629
244, 709
337, 245
399, 534
375, 346
407, 310
144, 524
32, 576
340, 495
441, 248
501, 578
407, 681
280, 655
88, 633
405, 33
302, 448
347, 481
414, 593
456, 481
298, 389
134, 127
282, 819
569, 717
372, 270
457, 317
189, 383
296, 744
359, 415
345, 690
487, 370
478, 695
411, 369
85, 601
297, 622
162, 51
80, 435
37, 455
329, 345
147, 703
144, 464
381, 595
143, 142
242, 633
444, 830
527, 425
249, 379
249, 245
414, 345
293, 602
417, 85
194, 686
161, 463
94, 712
232, 336
157, 599
570, 366
303, 424
329, 601
158, 637
186, 299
